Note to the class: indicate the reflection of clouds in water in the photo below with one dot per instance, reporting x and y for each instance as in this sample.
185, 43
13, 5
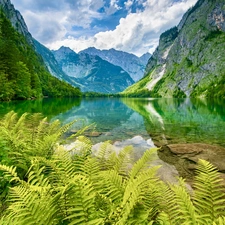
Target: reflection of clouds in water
138, 143
166, 172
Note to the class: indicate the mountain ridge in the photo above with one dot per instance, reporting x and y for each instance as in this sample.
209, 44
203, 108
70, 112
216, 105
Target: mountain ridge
132, 64
189, 60
92, 72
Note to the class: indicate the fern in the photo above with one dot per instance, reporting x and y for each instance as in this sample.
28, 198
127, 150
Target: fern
50, 185
209, 197
31, 207
123, 161
186, 208
79, 197
142, 163
219, 221
111, 185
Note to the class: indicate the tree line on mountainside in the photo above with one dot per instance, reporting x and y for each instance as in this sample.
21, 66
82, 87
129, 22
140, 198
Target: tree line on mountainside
22, 72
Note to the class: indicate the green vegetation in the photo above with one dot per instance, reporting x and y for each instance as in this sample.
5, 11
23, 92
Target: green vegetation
97, 94
194, 66
42, 183
22, 72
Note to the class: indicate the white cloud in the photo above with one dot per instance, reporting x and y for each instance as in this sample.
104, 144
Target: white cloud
128, 4
49, 21
138, 32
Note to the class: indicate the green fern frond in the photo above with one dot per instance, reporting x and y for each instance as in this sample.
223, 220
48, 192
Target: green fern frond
135, 192
64, 166
170, 209
111, 185
186, 208
31, 207
36, 175
91, 169
79, 199
219, 221
143, 162
84, 149
9, 120
123, 161
209, 197
104, 152
10, 172
40, 131
164, 219
20, 123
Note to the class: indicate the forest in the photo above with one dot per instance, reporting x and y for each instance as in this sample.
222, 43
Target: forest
23, 74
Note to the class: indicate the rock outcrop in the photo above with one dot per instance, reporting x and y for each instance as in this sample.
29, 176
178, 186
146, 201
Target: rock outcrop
189, 61
16, 19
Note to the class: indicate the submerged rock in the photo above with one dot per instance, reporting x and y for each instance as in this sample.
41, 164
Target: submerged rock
193, 152
185, 157
92, 134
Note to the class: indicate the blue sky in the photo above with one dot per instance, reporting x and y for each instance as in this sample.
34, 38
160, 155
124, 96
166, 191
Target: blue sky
129, 25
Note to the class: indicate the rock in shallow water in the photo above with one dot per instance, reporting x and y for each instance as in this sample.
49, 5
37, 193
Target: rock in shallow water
166, 172
195, 151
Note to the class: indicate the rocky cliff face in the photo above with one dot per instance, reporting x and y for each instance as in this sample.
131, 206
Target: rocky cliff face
16, 19
52, 64
132, 64
92, 72
190, 59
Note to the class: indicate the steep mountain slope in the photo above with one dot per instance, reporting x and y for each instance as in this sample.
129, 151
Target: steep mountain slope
52, 64
190, 59
132, 64
92, 72
22, 71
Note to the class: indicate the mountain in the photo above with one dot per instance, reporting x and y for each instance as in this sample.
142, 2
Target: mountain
145, 57
53, 65
189, 60
23, 73
92, 72
132, 64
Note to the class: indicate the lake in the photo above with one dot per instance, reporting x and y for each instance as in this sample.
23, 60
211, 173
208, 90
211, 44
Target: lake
165, 121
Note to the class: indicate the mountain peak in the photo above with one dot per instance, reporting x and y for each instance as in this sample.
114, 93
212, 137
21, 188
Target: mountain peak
132, 64
66, 50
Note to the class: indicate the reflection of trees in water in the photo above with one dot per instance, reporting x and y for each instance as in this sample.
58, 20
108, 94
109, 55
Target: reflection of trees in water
49, 107
182, 120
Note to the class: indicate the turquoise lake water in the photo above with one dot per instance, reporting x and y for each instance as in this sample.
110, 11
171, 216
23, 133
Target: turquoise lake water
163, 120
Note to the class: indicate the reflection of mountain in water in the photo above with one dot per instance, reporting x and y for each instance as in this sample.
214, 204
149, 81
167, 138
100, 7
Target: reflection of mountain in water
166, 120
111, 117
182, 120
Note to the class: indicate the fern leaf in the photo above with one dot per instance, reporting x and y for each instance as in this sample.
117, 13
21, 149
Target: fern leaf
30, 207
111, 185
123, 161
10, 171
20, 123
186, 208
219, 221
142, 163
79, 197
135, 192
209, 197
